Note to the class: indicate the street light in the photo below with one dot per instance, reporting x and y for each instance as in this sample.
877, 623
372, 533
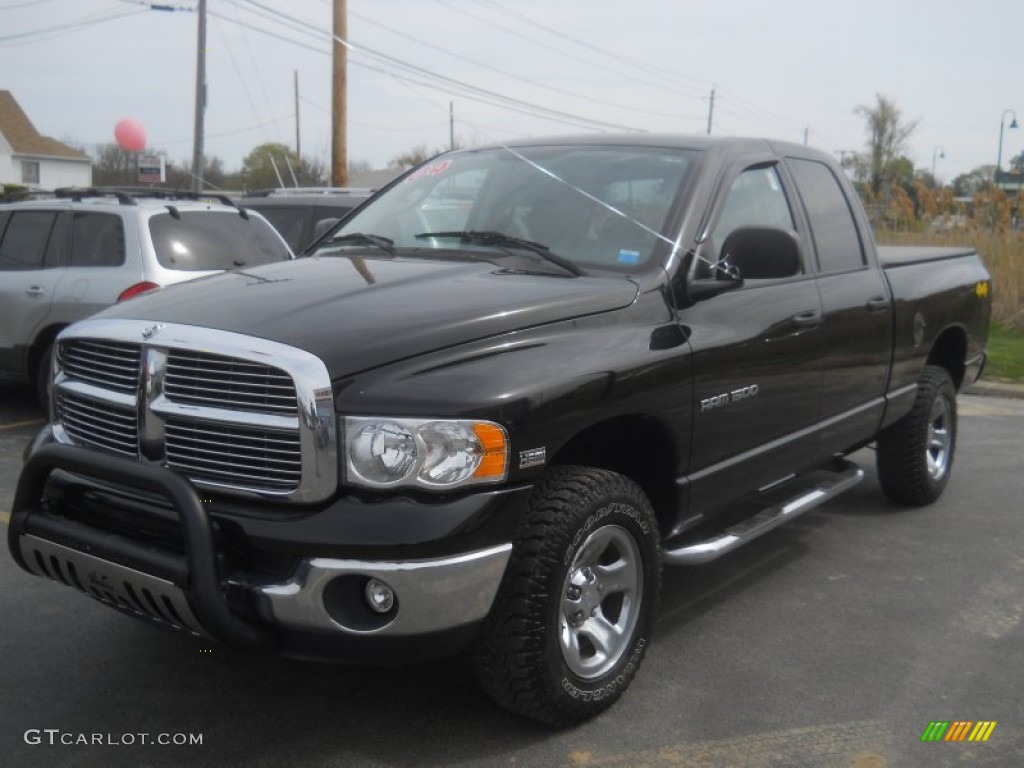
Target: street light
999, 157
939, 153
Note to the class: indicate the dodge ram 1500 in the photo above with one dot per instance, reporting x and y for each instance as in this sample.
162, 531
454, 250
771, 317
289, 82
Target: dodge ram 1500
494, 402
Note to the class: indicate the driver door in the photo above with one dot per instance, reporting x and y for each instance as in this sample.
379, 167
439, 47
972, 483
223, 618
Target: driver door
757, 358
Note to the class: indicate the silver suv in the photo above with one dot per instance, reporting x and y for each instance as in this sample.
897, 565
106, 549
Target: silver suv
81, 250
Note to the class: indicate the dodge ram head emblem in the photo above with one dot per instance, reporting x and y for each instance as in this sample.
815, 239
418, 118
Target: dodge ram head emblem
152, 330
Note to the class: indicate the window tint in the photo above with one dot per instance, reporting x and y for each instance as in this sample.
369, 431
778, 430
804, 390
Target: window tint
206, 240
97, 240
835, 235
756, 199
288, 220
24, 240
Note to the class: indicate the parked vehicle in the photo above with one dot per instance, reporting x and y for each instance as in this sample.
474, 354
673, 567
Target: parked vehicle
74, 252
303, 214
494, 402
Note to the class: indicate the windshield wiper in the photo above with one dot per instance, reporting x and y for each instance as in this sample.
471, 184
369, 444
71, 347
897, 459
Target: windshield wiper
499, 239
384, 243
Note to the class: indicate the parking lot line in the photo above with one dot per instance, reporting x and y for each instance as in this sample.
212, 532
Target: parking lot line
5, 518
17, 424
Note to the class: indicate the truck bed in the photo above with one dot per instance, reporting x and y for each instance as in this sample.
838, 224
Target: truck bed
892, 256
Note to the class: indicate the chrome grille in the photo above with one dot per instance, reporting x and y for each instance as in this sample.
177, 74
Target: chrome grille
98, 424
105, 364
228, 454
247, 415
200, 378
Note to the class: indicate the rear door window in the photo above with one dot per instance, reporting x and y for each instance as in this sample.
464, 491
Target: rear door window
194, 241
97, 240
835, 235
24, 240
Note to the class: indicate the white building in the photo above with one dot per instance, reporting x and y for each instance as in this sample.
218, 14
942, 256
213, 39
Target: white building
29, 159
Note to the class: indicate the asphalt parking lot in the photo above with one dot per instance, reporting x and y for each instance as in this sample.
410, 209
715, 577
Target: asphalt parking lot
833, 641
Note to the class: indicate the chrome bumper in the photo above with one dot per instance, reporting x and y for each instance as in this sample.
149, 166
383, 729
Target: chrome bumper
431, 595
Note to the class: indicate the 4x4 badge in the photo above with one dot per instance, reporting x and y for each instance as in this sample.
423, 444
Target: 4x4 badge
152, 330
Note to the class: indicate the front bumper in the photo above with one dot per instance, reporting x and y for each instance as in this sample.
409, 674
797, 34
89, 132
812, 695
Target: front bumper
316, 608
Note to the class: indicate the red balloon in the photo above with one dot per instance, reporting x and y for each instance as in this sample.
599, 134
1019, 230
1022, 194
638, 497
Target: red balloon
130, 135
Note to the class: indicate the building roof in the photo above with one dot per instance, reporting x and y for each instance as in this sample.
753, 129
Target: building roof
23, 137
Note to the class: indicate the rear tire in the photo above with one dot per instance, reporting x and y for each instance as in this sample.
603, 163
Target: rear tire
573, 616
915, 455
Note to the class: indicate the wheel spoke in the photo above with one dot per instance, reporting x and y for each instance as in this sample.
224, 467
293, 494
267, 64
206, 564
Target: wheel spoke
606, 637
620, 576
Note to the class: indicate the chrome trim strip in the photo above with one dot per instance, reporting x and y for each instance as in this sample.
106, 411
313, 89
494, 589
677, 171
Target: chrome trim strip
316, 423
433, 595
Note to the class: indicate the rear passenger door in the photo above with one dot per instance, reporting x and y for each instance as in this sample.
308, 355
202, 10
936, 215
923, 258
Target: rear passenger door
30, 260
756, 358
95, 273
857, 306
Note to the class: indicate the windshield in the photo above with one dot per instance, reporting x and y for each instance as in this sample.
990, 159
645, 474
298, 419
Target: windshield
195, 241
596, 206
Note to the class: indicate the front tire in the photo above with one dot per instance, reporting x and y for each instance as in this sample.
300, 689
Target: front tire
573, 617
915, 455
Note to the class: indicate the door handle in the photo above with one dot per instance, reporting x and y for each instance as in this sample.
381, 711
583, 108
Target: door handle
878, 304
34, 292
810, 319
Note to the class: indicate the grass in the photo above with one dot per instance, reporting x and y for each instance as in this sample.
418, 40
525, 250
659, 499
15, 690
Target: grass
1005, 355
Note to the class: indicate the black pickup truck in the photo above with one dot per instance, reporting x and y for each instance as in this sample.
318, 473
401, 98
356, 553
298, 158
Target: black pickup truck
490, 405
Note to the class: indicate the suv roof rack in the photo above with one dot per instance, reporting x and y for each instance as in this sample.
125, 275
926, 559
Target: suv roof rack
285, 191
129, 195
77, 194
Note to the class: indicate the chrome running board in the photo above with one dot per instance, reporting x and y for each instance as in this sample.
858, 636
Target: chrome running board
840, 477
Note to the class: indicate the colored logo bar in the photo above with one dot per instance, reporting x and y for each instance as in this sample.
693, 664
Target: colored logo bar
958, 730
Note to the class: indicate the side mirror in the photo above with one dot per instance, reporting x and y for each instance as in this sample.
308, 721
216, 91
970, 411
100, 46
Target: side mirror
762, 253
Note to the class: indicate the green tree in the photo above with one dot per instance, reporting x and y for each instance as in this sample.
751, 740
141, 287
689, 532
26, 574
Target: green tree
273, 165
887, 134
969, 184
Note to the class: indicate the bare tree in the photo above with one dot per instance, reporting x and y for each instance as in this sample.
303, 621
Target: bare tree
887, 137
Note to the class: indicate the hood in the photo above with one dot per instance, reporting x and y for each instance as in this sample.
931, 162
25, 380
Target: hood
356, 313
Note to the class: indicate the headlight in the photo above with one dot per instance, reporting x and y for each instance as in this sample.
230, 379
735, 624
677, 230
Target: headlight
429, 453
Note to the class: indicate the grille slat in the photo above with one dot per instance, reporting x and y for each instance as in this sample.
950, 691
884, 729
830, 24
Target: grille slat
96, 424
244, 454
213, 380
111, 365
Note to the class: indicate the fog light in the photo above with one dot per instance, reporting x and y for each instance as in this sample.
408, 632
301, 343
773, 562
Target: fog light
379, 596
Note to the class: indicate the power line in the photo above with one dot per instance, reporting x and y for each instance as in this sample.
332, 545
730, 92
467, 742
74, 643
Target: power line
544, 86
447, 84
67, 27
697, 84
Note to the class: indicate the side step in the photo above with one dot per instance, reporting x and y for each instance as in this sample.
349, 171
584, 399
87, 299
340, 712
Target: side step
839, 477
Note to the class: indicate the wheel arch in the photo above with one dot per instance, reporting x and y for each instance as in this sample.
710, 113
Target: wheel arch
637, 446
949, 351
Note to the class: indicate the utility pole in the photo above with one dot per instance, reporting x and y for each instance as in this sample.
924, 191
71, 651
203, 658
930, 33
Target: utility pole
451, 125
197, 136
339, 117
711, 110
298, 135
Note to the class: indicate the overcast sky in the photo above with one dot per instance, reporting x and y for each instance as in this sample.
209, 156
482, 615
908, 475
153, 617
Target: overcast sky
779, 68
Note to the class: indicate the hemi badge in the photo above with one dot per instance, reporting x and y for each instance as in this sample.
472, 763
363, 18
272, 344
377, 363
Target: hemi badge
534, 457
